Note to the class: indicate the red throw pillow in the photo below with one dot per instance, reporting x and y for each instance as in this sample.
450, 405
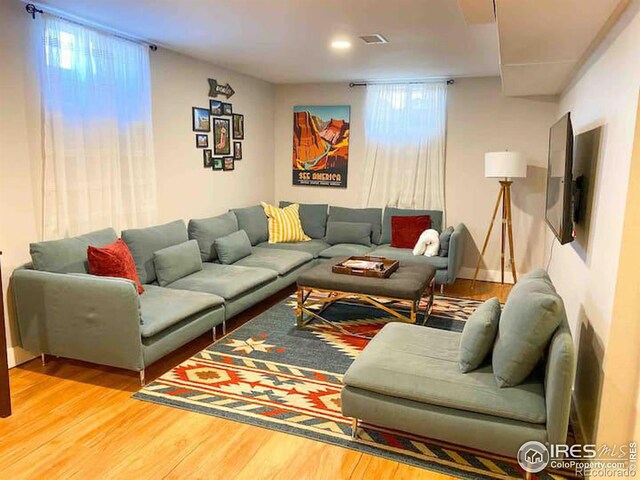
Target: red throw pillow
405, 231
113, 260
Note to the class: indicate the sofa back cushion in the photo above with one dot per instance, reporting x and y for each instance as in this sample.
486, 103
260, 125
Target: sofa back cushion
253, 221
69, 255
349, 232
176, 262
313, 218
233, 247
144, 242
206, 230
530, 316
359, 215
435, 215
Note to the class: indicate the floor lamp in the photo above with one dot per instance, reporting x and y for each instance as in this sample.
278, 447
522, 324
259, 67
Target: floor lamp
503, 165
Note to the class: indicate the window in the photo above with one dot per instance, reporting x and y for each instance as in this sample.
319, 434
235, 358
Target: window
98, 164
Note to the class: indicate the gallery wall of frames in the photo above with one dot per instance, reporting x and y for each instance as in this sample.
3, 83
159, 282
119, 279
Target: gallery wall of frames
218, 132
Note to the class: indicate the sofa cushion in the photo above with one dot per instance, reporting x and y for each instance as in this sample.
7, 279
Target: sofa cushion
113, 260
233, 247
349, 232
144, 242
445, 239
345, 250
284, 224
177, 261
359, 215
440, 263
227, 281
282, 261
421, 364
313, 218
206, 230
68, 255
531, 314
160, 308
478, 335
253, 221
313, 247
435, 215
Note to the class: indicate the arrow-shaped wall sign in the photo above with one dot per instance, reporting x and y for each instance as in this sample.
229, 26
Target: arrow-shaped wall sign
216, 89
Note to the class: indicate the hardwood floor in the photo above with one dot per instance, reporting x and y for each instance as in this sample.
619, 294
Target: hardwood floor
77, 420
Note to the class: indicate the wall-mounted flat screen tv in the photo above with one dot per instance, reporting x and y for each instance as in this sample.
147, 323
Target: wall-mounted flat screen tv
559, 211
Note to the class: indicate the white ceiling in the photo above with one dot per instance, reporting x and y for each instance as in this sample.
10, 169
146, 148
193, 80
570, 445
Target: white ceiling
544, 42
287, 41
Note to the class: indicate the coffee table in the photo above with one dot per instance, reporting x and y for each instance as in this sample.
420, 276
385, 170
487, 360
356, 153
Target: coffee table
408, 284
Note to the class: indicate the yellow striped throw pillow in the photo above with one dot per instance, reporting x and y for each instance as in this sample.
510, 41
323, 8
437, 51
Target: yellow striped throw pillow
284, 224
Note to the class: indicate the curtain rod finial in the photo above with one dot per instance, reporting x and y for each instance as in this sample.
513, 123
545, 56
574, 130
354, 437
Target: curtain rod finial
32, 10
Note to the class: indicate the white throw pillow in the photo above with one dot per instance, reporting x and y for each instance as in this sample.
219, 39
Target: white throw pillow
428, 244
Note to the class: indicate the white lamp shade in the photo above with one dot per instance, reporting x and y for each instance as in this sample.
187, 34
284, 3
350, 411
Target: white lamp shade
505, 165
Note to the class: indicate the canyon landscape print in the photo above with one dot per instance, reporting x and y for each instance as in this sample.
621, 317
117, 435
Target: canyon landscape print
321, 145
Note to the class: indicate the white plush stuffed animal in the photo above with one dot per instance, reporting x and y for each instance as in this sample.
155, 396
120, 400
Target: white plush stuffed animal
428, 244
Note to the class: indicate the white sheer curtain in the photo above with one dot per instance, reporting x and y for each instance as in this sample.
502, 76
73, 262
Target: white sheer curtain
405, 128
99, 168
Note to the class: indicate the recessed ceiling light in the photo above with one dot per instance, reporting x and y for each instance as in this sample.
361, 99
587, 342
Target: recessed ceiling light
373, 39
341, 44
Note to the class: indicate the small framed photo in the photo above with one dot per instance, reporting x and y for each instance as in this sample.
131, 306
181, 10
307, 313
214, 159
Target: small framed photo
207, 159
221, 137
229, 164
218, 163
202, 140
237, 150
238, 126
215, 107
227, 109
200, 119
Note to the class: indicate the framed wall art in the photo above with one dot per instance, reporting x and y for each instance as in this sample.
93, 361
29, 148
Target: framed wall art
238, 126
202, 140
201, 120
237, 150
207, 159
221, 137
229, 164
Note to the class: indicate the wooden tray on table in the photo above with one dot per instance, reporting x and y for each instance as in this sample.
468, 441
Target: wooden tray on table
367, 266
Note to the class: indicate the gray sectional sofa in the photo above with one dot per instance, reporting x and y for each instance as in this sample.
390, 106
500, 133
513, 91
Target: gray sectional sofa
64, 311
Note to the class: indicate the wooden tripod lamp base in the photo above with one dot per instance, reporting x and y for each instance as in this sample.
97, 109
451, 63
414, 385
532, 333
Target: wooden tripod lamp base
505, 165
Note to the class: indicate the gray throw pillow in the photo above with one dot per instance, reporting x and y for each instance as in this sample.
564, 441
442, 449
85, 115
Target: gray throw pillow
349, 232
364, 215
478, 335
313, 218
445, 239
530, 316
206, 230
68, 255
144, 242
254, 222
176, 262
233, 247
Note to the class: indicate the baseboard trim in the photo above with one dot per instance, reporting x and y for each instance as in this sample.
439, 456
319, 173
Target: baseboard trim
484, 275
17, 355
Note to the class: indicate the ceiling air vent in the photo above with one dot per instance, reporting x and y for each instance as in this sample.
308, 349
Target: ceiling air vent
373, 39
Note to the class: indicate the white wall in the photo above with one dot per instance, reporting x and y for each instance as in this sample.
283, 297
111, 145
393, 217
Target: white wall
185, 189
605, 94
480, 119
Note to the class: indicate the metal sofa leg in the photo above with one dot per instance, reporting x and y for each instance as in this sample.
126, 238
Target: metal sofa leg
442, 289
354, 429
224, 327
142, 381
43, 359
214, 333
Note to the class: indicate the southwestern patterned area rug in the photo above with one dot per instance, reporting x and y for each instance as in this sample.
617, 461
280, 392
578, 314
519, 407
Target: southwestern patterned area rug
270, 374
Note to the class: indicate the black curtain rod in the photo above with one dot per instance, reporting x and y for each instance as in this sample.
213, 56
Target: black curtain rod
32, 10
364, 84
